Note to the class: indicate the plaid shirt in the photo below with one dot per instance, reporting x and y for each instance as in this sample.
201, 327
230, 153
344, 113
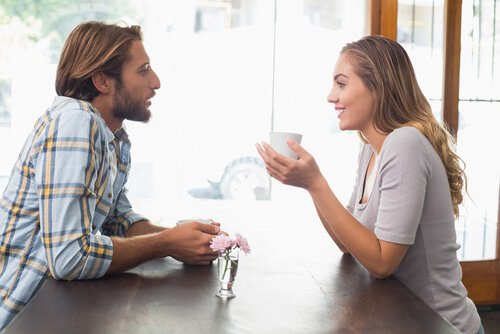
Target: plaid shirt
65, 197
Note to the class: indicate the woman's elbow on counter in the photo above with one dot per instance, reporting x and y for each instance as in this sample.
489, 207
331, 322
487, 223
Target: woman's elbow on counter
381, 272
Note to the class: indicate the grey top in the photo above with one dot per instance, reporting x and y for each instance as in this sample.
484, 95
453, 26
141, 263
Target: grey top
411, 204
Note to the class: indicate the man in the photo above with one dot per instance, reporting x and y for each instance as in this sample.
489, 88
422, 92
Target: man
65, 211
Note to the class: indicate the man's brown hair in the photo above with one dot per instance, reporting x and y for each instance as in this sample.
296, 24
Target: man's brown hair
93, 47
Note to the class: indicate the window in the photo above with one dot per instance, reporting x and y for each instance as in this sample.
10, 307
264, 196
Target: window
5, 102
420, 31
31, 35
231, 71
479, 116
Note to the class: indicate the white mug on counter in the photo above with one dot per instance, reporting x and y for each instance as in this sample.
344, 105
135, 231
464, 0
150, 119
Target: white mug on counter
198, 220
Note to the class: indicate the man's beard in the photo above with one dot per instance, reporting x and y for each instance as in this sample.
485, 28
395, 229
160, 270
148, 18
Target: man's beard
124, 106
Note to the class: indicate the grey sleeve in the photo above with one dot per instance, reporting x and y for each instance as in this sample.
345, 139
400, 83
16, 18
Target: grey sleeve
352, 200
403, 176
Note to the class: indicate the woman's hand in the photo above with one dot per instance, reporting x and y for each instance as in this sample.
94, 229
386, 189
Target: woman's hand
303, 173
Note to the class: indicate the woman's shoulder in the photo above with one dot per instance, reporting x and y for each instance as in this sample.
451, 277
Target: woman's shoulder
407, 133
408, 145
406, 138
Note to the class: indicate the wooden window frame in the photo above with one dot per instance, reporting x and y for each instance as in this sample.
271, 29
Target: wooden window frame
481, 278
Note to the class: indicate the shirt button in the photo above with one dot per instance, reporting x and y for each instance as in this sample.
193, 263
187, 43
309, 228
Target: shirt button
110, 195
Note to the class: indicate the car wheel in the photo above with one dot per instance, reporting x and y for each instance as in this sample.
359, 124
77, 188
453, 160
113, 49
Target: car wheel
245, 178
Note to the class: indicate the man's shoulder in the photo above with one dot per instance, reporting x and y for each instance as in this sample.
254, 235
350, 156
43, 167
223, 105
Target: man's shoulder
69, 109
70, 118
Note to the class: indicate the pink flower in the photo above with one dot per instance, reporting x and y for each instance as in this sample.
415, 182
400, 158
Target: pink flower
242, 243
224, 243
221, 243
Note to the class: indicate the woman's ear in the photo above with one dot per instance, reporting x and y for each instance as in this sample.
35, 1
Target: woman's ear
102, 82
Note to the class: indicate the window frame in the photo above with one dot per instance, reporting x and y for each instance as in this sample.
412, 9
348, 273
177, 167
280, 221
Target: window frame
482, 277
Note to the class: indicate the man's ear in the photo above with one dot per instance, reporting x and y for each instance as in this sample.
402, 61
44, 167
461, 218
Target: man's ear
102, 82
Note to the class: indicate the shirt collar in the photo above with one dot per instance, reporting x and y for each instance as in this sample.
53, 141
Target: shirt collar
120, 134
109, 134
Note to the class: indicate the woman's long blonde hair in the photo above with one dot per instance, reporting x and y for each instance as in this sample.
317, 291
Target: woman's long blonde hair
386, 69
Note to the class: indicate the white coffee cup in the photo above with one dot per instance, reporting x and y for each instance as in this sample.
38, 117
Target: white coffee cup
278, 141
198, 220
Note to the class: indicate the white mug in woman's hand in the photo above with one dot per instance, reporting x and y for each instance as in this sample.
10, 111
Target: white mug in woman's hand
278, 141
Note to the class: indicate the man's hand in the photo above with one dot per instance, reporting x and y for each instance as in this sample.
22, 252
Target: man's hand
190, 242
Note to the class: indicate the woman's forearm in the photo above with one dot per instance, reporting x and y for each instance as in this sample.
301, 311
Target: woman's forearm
380, 258
330, 231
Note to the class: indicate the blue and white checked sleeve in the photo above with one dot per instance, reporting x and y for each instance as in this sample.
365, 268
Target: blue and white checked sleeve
66, 165
122, 218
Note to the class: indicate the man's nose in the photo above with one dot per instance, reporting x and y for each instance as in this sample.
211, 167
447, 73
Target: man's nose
155, 84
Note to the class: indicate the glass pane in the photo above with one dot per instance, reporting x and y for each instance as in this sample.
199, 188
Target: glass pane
477, 226
31, 35
213, 105
5, 101
309, 36
479, 116
420, 32
337, 15
231, 71
213, 15
480, 56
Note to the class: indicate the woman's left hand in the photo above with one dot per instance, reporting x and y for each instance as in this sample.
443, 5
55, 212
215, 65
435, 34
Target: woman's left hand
303, 173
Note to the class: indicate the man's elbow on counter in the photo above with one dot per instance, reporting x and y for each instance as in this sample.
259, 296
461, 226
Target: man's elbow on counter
61, 273
64, 269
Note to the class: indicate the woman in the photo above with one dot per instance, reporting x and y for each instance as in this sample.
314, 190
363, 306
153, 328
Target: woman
400, 218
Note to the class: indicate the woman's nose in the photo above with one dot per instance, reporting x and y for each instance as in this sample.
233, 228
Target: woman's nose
332, 96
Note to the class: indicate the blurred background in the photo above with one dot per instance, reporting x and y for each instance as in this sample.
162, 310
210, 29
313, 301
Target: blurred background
233, 70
